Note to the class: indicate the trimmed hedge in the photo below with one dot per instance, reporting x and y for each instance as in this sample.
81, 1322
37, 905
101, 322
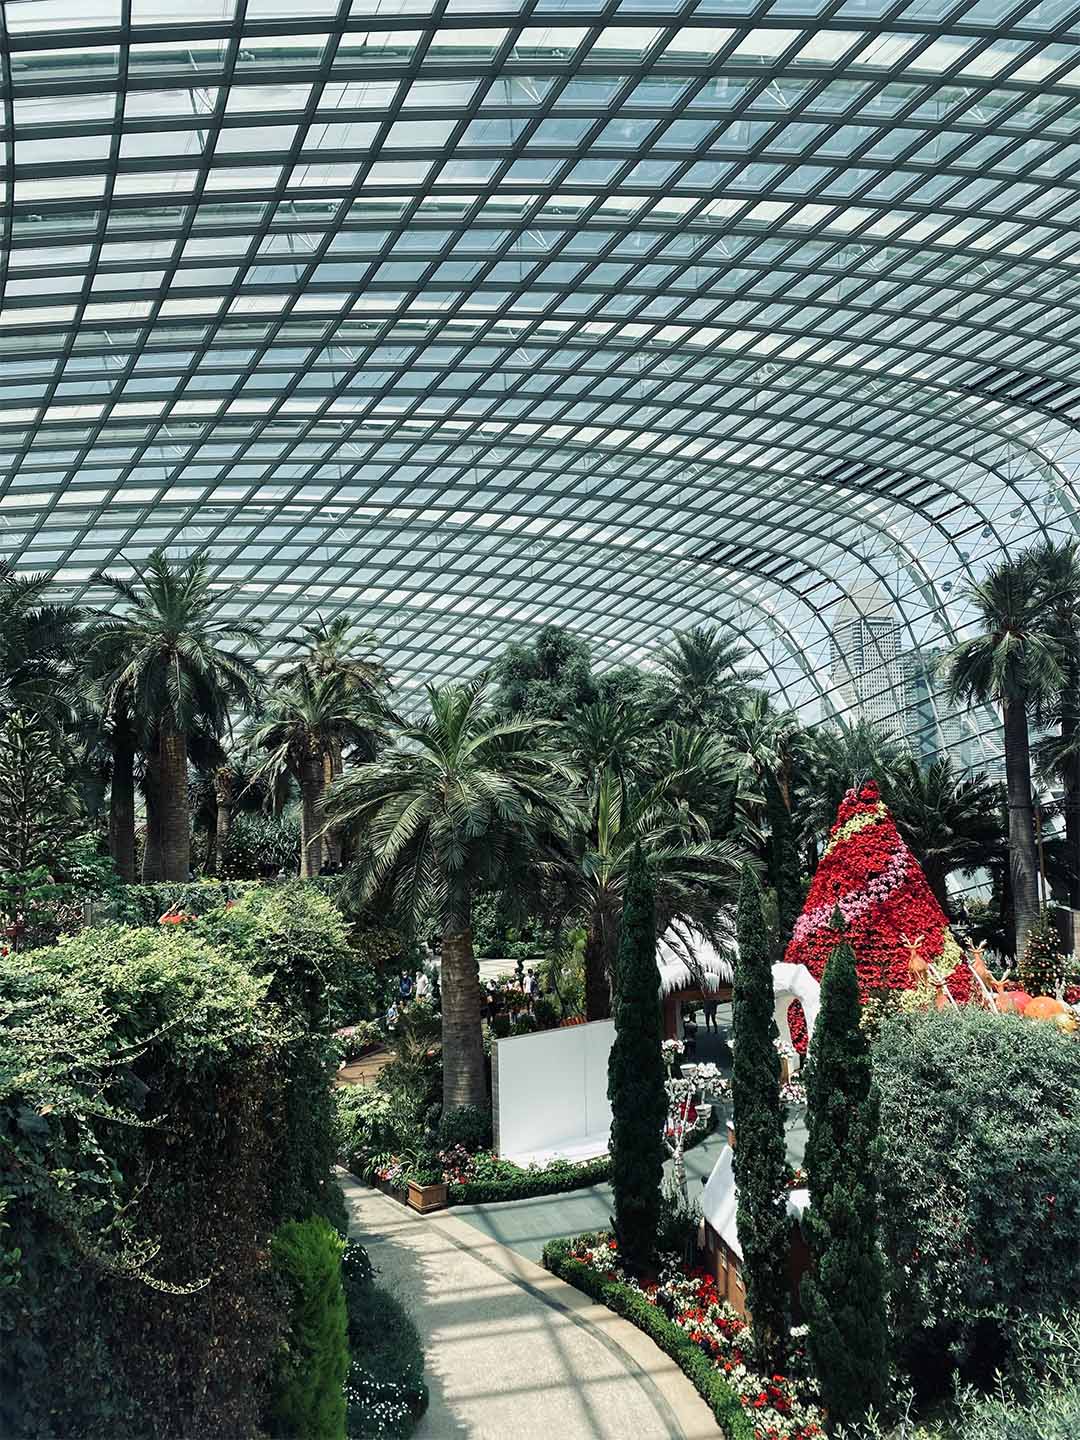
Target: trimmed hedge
307, 1399
550, 1180
624, 1300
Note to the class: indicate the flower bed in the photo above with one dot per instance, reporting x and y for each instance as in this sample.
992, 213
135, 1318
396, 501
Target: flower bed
702, 1334
482, 1178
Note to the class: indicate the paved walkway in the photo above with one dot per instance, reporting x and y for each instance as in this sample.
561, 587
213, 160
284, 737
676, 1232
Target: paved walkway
366, 1070
511, 1352
527, 1225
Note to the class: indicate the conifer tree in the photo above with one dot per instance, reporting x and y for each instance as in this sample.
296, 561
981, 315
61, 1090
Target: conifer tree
760, 1146
1042, 965
636, 1076
784, 868
843, 1294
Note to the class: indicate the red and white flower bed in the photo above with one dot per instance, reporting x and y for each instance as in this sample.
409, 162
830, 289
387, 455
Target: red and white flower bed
781, 1407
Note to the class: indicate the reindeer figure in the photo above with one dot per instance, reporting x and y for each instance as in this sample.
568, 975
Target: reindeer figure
991, 991
916, 964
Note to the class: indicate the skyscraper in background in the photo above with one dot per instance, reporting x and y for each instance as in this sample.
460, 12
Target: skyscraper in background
866, 663
901, 691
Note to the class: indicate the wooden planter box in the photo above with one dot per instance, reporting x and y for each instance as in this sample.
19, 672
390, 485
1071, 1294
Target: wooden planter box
427, 1197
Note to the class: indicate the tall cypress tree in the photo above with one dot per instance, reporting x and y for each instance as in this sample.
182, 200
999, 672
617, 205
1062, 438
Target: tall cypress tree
843, 1295
636, 1076
784, 869
760, 1146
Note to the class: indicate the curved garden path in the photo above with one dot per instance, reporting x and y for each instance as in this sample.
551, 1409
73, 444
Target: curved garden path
511, 1352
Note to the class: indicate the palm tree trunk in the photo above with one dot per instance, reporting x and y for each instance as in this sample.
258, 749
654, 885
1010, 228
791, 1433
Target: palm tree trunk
151, 865
312, 784
936, 879
459, 981
175, 815
223, 794
1023, 864
332, 838
122, 804
597, 975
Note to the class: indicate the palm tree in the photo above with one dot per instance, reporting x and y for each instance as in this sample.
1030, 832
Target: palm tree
173, 672
1059, 756
338, 647
306, 719
453, 804
951, 822
1014, 661
38, 643
835, 759
672, 818
701, 676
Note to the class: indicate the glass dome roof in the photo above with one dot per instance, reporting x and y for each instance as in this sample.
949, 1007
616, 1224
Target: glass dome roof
468, 317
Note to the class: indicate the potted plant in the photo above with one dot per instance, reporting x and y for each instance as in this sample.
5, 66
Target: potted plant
427, 1188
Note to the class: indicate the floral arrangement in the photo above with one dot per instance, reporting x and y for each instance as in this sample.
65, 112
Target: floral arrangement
671, 1050
393, 1173
868, 873
781, 1407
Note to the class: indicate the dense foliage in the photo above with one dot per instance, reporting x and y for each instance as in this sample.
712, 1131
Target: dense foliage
307, 1400
979, 1182
296, 940
843, 1295
760, 1159
133, 1147
636, 1077
164, 1101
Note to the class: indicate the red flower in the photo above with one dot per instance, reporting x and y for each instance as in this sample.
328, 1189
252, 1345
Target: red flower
883, 896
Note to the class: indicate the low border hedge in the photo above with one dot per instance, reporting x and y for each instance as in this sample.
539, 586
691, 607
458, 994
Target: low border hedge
549, 1180
624, 1300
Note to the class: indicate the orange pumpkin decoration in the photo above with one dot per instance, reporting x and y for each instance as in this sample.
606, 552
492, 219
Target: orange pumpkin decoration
1044, 1007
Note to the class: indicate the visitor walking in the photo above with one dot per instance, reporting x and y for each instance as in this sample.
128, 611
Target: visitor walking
709, 1006
405, 988
533, 989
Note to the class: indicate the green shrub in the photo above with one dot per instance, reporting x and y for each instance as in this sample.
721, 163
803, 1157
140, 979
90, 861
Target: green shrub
510, 1182
500, 1026
468, 1126
385, 1391
361, 1039
295, 939
373, 1122
137, 1294
545, 1013
307, 1399
979, 1181
145, 904
261, 847
636, 1075
624, 1300
524, 1024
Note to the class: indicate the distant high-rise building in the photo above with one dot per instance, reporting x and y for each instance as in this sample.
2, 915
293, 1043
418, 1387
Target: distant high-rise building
866, 664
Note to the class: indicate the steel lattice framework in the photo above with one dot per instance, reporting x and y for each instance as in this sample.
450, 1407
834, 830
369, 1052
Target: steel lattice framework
466, 317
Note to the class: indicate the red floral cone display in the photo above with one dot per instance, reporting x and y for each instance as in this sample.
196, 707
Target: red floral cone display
869, 872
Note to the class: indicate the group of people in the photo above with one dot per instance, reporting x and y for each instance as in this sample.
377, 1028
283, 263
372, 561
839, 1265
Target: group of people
408, 990
496, 999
